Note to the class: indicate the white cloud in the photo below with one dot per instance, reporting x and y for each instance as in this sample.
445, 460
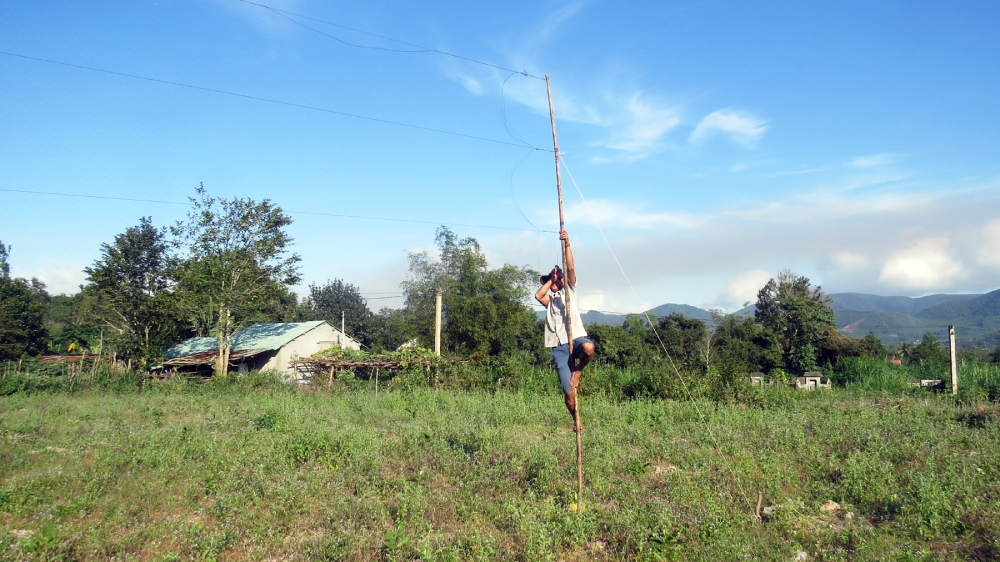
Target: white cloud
59, 277
989, 251
872, 160
642, 127
926, 265
613, 214
472, 85
744, 287
847, 241
591, 300
850, 260
739, 126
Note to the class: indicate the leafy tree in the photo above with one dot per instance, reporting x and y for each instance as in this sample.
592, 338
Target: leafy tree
329, 301
798, 315
22, 308
928, 352
623, 346
4, 257
484, 310
69, 319
387, 330
744, 346
684, 339
871, 346
131, 290
237, 264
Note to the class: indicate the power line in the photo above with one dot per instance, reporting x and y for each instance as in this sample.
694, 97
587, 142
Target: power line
285, 14
270, 100
361, 217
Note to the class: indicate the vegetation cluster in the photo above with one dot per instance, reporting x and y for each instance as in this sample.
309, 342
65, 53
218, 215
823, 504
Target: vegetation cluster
229, 265
247, 467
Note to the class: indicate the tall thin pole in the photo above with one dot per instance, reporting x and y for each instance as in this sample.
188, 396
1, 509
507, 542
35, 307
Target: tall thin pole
954, 361
569, 322
343, 334
437, 323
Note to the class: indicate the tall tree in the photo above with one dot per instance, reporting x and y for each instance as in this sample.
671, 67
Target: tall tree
484, 310
22, 310
928, 352
798, 315
131, 291
329, 301
4, 257
237, 262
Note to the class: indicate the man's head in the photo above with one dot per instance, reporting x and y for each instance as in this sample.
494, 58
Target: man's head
556, 277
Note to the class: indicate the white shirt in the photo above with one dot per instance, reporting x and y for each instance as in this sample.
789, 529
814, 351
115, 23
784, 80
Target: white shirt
555, 318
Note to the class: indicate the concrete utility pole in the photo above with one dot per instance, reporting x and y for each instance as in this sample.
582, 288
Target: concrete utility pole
343, 334
437, 323
954, 360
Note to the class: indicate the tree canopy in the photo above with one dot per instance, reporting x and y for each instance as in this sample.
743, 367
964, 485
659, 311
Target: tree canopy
485, 310
22, 308
798, 316
130, 284
237, 263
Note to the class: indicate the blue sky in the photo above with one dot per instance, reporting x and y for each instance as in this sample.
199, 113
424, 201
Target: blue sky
716, 142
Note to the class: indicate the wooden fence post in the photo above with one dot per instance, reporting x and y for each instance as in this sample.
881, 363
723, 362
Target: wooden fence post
954, 361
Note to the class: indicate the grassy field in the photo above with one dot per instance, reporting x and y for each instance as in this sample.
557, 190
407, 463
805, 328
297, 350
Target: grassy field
177, 471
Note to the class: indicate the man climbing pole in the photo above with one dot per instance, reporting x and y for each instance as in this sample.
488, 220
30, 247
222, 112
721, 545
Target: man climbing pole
555, 328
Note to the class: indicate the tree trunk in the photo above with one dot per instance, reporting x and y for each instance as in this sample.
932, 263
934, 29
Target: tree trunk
220, 360
228, 343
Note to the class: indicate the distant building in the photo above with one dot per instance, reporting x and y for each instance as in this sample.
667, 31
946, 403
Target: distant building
262, 346
812, 381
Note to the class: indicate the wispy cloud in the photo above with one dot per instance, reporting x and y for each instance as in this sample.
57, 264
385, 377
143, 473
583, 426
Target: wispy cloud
739, 126
642, 127
263, 19
612, 214
873, 160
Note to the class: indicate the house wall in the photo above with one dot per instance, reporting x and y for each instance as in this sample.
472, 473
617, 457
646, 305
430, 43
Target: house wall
319, 338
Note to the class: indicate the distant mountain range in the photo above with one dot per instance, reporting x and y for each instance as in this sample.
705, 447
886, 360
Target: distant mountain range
892, 319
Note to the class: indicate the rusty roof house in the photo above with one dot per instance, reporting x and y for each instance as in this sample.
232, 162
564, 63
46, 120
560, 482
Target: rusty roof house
262, 346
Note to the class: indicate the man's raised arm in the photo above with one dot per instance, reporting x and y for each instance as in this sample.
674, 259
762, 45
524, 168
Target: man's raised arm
542, 295
570, 270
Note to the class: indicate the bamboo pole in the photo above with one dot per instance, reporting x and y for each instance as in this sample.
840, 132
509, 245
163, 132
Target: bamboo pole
569, 321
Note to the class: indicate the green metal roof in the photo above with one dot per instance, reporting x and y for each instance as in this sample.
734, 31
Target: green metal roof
258, 336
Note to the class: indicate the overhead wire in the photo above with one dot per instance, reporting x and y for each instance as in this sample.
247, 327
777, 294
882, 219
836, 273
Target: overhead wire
423, 49
337, 215
656, 332
270, 100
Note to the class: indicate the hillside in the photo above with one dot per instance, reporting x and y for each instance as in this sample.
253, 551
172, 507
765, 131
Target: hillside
687, 310
902, 305
976, 318
893, 320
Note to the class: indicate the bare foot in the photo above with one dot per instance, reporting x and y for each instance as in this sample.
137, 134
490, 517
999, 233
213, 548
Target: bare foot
577, 427
574, 380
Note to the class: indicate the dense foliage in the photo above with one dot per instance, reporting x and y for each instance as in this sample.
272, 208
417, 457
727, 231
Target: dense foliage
798, 316
338, 300
236, 263
130, 285
248, 468
485, 310
22, 322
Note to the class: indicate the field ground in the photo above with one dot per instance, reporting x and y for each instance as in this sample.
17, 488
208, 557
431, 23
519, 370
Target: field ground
224, 474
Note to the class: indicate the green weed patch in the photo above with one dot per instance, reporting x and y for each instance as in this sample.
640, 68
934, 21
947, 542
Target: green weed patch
254, 471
